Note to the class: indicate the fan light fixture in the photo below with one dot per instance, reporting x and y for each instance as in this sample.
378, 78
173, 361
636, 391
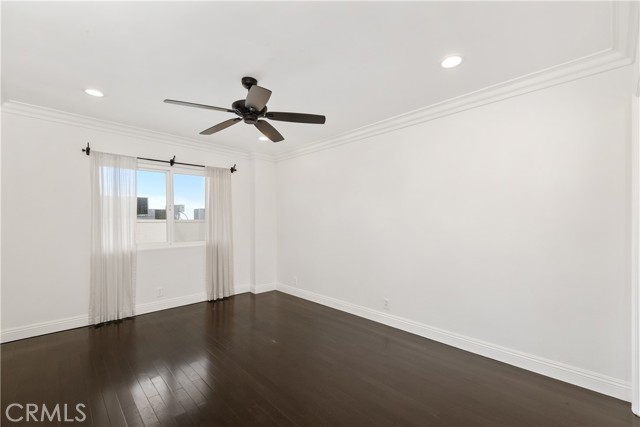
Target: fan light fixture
451, 61
263, 138
94, 92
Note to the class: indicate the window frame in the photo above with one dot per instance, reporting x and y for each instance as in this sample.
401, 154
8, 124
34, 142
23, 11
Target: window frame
145, 165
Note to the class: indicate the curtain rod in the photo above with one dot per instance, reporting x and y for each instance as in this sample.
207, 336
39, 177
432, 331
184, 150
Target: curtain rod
172, 161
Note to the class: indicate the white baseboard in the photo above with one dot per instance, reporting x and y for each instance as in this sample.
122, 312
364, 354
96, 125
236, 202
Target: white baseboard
265, 287
241, 289
165, 303
43, 328
560, 371
49, 327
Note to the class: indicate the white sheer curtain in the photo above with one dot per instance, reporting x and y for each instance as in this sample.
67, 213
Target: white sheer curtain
113, 248
219, 240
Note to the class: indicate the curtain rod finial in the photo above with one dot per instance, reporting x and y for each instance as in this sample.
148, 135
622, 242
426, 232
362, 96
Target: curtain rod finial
233, 168
87, 150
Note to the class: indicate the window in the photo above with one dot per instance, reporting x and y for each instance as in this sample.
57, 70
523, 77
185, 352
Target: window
152, 207
188, 196
170, 205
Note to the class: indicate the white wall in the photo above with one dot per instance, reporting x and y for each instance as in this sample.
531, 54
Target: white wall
265, 220
504, 229
46, 226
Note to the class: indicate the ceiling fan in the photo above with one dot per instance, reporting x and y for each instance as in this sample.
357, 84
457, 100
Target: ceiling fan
252, 110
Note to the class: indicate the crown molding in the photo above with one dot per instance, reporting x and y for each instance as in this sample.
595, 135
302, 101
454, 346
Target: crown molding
63, 117
583, 67
625, 26
622, 53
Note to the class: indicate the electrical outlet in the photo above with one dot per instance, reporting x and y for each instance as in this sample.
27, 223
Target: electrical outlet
295, 281
385, 303
159, 292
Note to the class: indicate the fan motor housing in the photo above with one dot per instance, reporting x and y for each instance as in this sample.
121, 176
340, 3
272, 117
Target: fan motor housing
248, 115
239, 106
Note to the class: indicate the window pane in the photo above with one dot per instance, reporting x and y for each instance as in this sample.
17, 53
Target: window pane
188, 208
152, 207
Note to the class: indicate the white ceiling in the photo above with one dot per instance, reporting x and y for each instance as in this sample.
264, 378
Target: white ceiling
357, 62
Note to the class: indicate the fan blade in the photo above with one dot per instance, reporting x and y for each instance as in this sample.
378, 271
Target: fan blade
191, 104
296, 117
220, 126
257, 97
269, 131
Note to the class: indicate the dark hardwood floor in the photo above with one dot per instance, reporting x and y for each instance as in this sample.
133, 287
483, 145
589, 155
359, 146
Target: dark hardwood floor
276, 360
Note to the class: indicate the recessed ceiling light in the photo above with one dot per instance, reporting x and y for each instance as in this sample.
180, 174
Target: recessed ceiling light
263, 138
451, 61
94, 92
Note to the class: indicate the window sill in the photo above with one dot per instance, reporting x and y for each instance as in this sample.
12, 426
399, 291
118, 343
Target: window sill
160, 246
